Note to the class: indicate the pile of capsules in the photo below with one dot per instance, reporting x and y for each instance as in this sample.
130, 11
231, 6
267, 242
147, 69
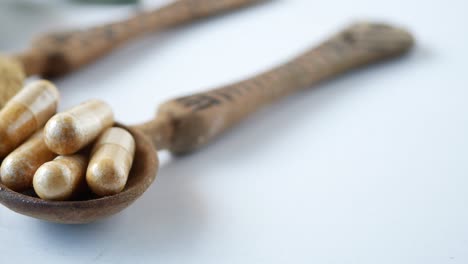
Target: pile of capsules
64, 154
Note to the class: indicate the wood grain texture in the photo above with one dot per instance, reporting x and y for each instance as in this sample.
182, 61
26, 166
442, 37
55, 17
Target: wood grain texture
59, 53
198, 118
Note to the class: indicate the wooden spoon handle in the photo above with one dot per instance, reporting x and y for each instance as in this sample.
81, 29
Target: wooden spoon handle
58, 53
196, 119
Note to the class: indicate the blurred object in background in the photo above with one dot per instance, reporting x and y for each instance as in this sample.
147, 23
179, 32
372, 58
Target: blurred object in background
21, 20
107, 1
24, 19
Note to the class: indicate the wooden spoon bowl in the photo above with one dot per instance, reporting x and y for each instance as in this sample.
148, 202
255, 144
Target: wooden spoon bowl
89, 208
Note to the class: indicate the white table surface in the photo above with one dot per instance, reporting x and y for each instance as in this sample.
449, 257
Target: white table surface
369, 168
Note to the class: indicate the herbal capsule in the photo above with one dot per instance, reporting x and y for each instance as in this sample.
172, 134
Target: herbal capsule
110, 163
60, 178
25, 113
69, 131
18, 168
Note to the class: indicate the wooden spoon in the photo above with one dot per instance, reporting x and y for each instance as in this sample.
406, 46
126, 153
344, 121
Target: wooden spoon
186, 123
56, 54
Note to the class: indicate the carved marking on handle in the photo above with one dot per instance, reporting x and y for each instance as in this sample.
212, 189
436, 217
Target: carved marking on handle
359, 44
199, 118
199, 102
267, 84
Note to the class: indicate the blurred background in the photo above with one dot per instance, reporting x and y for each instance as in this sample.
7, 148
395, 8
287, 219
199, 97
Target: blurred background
370, 167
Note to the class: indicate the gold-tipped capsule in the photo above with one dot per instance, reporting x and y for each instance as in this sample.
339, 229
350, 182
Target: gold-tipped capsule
25, 113
18, 168
69, 131
61, 178
110, 163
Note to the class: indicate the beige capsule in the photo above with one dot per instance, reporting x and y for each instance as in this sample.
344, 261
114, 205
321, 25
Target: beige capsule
111, 161
18, 168
61, 178
69, 131
25, 113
